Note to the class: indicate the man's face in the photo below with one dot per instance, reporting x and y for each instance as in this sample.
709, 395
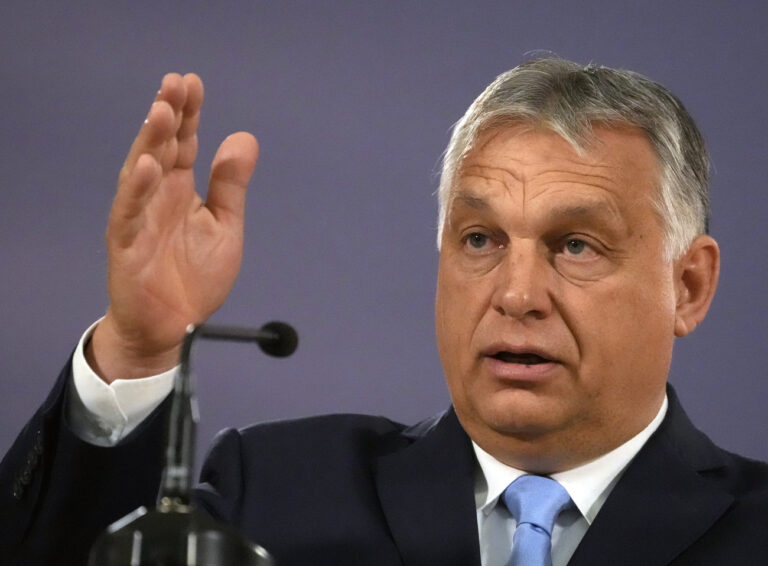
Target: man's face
555, 307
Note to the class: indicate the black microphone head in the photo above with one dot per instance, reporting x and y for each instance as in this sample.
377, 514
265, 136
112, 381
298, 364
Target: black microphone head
285, 342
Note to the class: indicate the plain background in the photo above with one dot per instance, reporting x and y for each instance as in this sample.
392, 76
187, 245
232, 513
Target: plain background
352, 103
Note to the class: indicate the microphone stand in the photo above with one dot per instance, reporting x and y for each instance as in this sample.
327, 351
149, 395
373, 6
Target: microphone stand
175, 533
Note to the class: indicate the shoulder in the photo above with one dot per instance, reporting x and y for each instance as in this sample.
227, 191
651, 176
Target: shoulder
343, 427
347, 424
740, 476
738, 536
740, 481
263, 469
336, 440
744, 478
338, 435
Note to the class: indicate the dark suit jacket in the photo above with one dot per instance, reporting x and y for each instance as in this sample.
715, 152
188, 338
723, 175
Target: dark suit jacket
350, 489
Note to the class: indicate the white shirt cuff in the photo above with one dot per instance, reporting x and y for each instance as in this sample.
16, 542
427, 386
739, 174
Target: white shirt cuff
103, 414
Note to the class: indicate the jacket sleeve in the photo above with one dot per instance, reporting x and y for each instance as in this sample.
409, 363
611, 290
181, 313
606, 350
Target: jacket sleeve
58, 492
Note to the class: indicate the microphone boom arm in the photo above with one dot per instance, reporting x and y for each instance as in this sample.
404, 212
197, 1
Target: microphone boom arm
274, 338
175, 533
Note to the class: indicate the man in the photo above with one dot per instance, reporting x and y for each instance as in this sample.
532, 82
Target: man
573, 250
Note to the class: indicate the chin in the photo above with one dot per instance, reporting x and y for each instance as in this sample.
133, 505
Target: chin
519, 415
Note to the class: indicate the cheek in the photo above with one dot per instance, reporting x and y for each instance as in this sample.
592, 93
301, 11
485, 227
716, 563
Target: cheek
448, 323
459, 307
625, 337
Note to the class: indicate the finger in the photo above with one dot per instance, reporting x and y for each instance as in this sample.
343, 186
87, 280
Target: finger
190, 118
231, 171
191, 109
169, 90
131, 197
157, 127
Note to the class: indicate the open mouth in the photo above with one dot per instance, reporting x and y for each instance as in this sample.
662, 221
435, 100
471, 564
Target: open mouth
524, 359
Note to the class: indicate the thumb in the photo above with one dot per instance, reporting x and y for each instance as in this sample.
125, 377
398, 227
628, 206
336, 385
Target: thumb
231, 171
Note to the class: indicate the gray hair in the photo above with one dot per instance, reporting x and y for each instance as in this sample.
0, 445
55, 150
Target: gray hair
568, 99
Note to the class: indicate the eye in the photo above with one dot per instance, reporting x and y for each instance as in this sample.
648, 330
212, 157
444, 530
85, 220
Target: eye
478, 243
576, 246
578, 249
582, 257
477, 240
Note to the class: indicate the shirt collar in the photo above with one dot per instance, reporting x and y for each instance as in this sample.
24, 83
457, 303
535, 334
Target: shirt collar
588, 485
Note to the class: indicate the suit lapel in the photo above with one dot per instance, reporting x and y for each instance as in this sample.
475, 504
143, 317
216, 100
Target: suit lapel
426, 493
661, 505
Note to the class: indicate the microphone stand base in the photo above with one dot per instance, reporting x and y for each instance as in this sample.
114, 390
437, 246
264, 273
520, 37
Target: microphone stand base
174, 535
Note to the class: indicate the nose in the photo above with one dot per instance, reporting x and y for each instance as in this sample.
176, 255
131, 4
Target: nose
523, 283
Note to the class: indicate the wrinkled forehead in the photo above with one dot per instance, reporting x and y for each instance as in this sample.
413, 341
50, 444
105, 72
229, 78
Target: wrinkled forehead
619, 151
522, 168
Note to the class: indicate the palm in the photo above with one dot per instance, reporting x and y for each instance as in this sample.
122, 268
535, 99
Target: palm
178, 268
172, 257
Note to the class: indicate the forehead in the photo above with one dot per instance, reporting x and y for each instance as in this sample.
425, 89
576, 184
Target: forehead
527, 161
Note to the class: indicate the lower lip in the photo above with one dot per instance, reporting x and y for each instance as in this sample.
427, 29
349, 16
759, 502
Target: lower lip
520, 372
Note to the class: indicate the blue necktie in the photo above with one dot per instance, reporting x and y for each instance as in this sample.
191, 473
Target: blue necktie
535, 502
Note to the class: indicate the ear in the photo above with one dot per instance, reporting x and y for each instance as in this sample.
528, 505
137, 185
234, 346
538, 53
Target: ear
696, 274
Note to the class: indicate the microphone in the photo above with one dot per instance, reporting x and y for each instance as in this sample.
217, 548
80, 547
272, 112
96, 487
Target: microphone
175, 533
275, 338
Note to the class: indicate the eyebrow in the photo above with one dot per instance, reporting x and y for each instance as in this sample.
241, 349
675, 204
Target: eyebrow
478, 203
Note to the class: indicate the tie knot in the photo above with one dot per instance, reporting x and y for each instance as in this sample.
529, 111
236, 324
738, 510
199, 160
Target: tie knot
537, 500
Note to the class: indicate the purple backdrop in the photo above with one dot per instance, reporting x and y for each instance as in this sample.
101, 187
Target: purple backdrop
352, 103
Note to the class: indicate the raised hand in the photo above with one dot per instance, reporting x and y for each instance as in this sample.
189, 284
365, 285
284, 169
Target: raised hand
172, 257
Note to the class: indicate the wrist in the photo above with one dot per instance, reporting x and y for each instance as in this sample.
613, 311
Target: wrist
111, 355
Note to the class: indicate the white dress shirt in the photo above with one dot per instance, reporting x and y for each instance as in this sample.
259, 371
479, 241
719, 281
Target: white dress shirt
103, 414
588, 485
